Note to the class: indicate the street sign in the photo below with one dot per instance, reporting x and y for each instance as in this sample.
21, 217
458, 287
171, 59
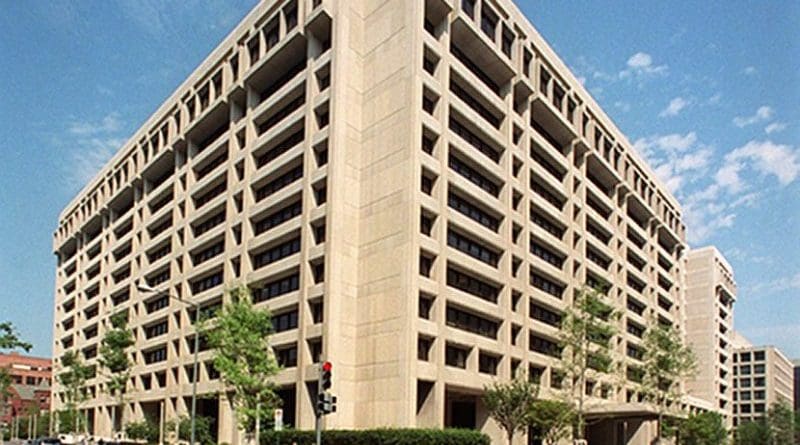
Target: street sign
278, 419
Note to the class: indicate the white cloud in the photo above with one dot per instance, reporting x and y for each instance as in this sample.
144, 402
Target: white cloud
728, 177
623, 106
768, 158
87, 158
715, 207
640, 64
89, 145
676, 158
762, 114
640, 60
675, 106
789, 282
750, 70
715, 99
775, 127
108, 124
669, 142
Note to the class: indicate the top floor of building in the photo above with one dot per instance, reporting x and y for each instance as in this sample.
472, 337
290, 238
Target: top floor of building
510, 56
706, 268
27, 370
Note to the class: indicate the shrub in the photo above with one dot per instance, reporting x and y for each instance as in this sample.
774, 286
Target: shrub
378, 437
203, 434
144, 430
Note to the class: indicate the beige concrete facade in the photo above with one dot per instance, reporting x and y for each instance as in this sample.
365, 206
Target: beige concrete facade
709, 298
763, 376
414, 188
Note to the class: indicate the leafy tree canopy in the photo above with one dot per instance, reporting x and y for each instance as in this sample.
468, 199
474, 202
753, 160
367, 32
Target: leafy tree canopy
243, 356
552, 420
509, 403
703, 429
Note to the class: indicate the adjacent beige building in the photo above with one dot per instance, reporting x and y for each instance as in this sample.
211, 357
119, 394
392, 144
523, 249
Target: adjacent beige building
709, 297
414, 188
763, 376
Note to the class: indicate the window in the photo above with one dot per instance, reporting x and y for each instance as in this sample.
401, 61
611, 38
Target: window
759, 369
472, 248
157, 304
279, 183
425, 305
285, 321
472, 212
544, 346
487, 364
276, 253
208, 253
456, 356
472, 285
156, 329
546, 254
206, 283
155, 355
276, 288
545, 285
279, 217
210, 195
469, 322
473, 176
468, 6
317, 312
423, 348
474, 140
425, 265
282, 147
488, 22
287, 356
545, 224
758, 355
544, 315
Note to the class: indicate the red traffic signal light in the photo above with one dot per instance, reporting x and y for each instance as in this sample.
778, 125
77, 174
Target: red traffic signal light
327, 366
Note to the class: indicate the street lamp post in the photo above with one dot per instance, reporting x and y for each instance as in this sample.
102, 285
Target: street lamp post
148, 289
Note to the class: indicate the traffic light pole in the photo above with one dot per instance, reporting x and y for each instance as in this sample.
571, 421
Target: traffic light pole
319, 429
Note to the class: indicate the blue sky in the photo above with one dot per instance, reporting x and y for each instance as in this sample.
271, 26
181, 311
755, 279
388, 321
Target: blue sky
707, 91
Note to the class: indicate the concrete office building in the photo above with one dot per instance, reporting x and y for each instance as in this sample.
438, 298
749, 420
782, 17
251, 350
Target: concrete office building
763, 376
414, 188
709, 297
796, 364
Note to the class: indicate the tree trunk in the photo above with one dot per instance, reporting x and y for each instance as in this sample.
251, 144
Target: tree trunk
511, 437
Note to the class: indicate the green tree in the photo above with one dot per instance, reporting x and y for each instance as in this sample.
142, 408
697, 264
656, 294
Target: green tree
114, 358
509, 403
552, 420
184, 427
146, 430
753, 433
243, 356
73, 378
9, 340
586, 333
703, 429
780, 420
667, 361
797, 427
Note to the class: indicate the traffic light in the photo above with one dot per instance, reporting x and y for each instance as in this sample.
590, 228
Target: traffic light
326, 403
325, 376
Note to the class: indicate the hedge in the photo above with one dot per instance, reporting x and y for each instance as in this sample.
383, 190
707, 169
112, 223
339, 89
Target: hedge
378, 437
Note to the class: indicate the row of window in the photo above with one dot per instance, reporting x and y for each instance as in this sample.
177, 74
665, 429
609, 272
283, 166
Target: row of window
276, 253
